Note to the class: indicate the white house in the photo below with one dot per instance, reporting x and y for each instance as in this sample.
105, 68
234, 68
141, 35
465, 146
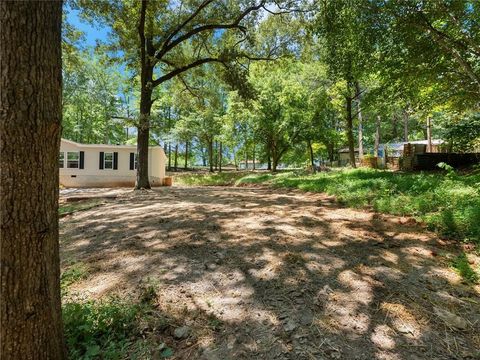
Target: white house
89, 165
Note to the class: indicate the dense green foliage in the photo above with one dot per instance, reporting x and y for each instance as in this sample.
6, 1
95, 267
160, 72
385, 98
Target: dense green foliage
286, 89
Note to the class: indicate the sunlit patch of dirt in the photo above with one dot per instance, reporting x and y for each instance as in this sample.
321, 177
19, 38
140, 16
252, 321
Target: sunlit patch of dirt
256, 273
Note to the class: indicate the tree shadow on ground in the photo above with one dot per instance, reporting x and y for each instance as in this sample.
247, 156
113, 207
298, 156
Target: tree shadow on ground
282, 275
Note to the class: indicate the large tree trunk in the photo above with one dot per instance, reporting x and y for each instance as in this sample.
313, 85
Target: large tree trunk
269, 162
351, 144
143, 136
30, 126
360, 121
142, 144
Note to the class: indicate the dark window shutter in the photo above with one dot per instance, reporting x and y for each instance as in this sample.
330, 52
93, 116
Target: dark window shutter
81, 164
115, 160
132, 161
100, 165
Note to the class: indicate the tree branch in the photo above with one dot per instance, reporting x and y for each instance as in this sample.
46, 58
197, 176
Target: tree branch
167, 46
185, 23
182, 69
141, 33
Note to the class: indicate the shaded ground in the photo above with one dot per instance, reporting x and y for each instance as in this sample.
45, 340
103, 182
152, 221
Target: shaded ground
268, 274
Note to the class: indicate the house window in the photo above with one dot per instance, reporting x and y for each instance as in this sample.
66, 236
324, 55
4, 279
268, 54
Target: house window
73, 159
133, 161
61, 160
108, 161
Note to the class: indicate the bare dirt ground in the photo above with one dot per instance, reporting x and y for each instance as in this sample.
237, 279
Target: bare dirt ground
256, 273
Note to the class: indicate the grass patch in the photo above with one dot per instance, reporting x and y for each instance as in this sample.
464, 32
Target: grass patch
107, 329
464, 269
71, 208
75, 272
448, 203
115, 328
228, 178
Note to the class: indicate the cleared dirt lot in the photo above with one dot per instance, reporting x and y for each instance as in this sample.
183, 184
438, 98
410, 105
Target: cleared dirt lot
257, 273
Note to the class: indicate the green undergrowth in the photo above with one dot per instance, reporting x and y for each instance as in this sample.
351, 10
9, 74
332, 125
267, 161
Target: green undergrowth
447, 202
465, 270
70, 208
115, 328
227, 178
73, 273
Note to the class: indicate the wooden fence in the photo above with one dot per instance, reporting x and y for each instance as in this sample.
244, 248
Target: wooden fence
415, 157
429, 161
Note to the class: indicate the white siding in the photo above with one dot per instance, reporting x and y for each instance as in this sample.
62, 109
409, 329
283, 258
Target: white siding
92, 176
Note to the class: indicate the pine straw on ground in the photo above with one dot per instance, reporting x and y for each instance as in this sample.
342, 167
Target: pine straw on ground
257, 273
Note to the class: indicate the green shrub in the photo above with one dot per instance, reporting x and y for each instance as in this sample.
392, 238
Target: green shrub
462, 266
107, 329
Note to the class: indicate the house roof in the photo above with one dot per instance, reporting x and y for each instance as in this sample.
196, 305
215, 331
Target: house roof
112, 146
399, 145
346, 150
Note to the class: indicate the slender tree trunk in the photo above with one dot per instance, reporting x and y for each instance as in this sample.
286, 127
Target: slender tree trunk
246, 157
175, 160
312, 160
351, 144
429, 134
360, 121
30, 127
204, 157
405, 126
377, 136
394, 127
210, 155
186, 155
169, 156
216, 155
220, 158
253, 156
269, 162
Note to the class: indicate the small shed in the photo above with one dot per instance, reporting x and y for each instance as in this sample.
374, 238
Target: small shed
344, 156
102, 165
